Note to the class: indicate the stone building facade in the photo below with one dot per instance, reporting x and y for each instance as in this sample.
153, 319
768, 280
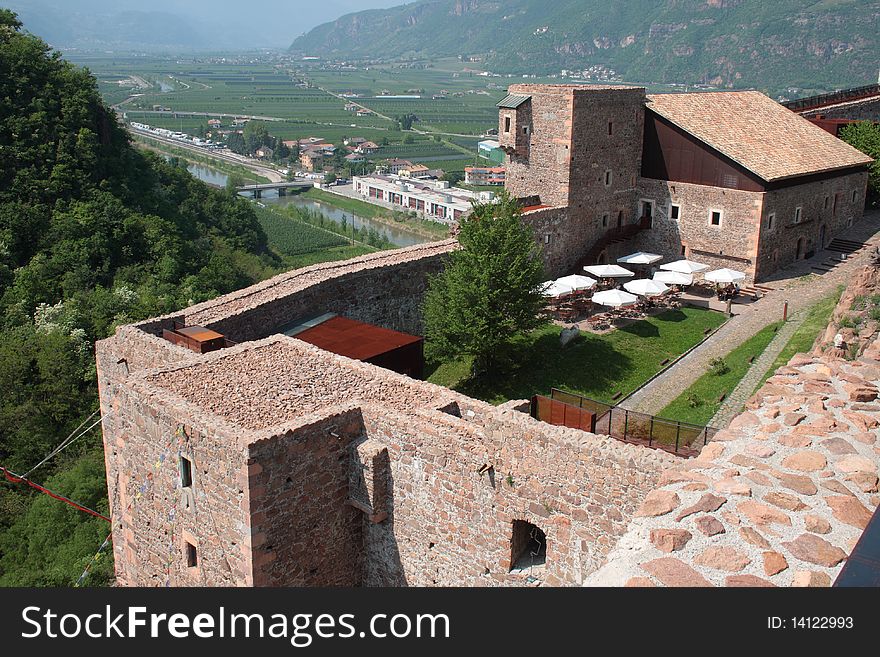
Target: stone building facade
716, 177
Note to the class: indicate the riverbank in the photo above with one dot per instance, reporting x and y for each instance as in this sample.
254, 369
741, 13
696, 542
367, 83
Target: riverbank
430, 229
223, 166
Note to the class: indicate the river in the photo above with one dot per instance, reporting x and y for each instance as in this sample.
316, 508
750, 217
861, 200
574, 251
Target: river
397, 236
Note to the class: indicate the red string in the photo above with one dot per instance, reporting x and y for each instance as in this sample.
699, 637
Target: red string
15, 479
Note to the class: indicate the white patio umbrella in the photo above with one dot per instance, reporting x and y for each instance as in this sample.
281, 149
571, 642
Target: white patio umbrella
576, 282
614, 298
645, 287
685, 266
555, 289
673, 278
640, 258
724, 275
608, 271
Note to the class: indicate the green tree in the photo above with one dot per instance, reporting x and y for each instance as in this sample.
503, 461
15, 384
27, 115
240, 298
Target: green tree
489, 292
865, 136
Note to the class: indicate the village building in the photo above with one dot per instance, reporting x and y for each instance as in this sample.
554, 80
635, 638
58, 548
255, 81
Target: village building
368, 148
484, 175
434, 200
311, 160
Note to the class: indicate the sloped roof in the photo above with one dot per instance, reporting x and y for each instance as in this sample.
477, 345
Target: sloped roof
512, 101
757, 132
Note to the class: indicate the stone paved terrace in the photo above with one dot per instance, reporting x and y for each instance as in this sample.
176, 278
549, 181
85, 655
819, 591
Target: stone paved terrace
777, 499
748, 319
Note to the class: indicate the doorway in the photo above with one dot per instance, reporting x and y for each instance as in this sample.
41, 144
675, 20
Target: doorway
799, 252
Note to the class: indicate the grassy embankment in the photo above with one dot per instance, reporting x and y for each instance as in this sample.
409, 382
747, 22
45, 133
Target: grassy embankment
430, 229
699, 403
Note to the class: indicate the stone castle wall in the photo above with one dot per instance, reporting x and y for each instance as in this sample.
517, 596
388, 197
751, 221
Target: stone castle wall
858, 110
145, 434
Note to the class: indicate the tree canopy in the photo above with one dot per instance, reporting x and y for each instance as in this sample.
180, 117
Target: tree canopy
489, 291
93, 233
865, 135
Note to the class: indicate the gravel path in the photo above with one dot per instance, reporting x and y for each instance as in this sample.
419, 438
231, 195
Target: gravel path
801, 293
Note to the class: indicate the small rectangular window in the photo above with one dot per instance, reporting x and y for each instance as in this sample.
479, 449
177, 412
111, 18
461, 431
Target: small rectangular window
192, 555
855, 195
771, 219
186, 472
797, 215
506, 124
611, 127
674, 212
604, 220
683, 250
525, 130
825, 206
608, 178
547, 238
715, 217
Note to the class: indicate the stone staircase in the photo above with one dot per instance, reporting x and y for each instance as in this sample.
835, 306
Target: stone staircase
613, 236
842, 248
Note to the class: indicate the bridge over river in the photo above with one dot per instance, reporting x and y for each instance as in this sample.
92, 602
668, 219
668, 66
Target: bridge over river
281, 187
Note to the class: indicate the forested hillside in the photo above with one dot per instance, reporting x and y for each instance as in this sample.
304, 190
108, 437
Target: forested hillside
775, 45
93, 233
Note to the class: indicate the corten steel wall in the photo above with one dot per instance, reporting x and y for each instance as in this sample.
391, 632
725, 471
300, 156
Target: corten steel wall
778, 246
672, 154
733, 244
144, 434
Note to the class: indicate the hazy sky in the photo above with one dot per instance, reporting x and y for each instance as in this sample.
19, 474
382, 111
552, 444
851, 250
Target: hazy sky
245, 23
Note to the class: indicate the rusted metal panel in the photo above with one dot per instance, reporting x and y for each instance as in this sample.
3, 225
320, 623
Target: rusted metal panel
669, 153
196, 338
380, 346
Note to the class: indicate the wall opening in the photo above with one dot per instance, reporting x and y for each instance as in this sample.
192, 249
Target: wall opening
506, 124
186, 472
192, 555
611, 127
674, 212
715, 217
528, 546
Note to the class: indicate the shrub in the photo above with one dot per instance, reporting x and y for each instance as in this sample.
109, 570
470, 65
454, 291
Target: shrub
718, 367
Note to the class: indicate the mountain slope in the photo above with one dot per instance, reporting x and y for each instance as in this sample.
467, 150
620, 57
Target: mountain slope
733, 43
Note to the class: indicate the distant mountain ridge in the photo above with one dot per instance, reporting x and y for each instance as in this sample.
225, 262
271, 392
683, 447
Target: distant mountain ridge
726, 43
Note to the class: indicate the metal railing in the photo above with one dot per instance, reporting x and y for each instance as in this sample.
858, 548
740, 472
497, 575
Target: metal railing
678, 437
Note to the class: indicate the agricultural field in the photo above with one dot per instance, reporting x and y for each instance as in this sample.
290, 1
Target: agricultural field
291, 237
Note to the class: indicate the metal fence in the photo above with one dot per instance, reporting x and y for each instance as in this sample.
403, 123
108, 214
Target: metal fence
674, 436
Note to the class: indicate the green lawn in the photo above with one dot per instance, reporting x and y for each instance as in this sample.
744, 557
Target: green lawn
802, 340
699, 403
596, 366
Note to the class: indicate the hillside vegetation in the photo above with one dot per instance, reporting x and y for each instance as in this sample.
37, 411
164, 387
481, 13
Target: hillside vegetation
726, 43
93, 233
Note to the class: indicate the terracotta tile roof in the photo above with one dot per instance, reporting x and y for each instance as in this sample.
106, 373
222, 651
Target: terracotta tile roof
757, 132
